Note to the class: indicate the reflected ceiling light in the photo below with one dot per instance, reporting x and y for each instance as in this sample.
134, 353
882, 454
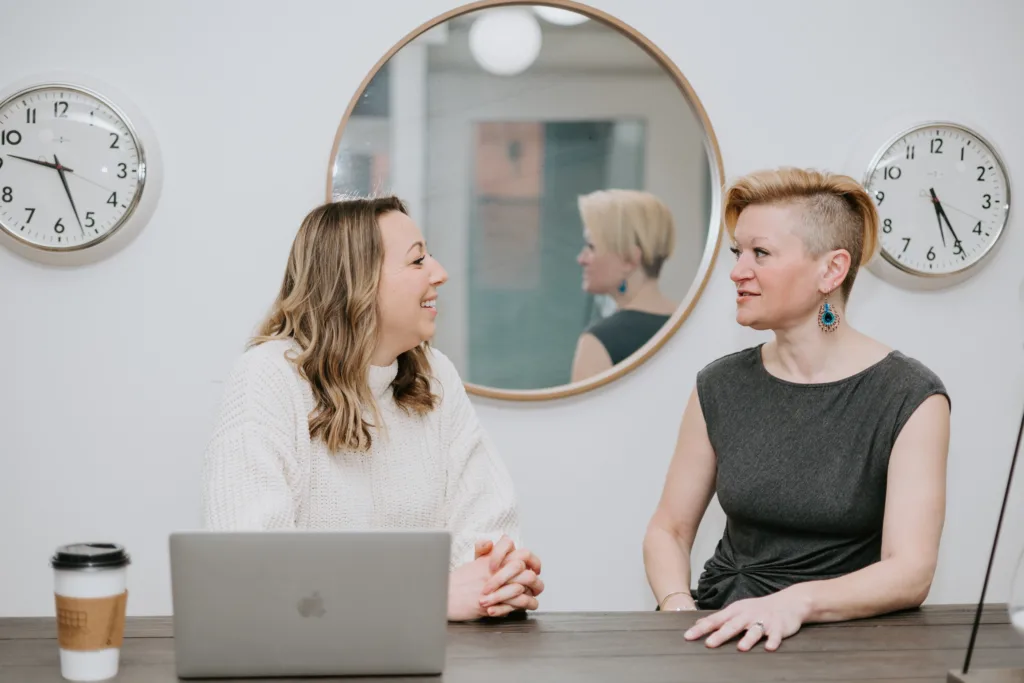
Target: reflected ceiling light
505, 41
562, 17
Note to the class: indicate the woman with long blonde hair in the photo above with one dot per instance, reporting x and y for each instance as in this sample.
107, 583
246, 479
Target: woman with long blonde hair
339, 415
827, 449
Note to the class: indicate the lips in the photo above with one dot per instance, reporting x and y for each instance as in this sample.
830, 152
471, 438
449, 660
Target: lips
429, 303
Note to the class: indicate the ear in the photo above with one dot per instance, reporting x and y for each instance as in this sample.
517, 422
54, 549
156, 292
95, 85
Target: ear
635, 257
836, 266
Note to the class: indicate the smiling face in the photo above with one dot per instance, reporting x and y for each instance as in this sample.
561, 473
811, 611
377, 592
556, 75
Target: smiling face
778, 283
408, 285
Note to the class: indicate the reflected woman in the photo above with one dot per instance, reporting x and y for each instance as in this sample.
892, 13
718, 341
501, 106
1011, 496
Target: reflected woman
628, 236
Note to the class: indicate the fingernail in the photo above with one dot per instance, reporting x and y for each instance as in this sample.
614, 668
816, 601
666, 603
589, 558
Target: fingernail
492, 611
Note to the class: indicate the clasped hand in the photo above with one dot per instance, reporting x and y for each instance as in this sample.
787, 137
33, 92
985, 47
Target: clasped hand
500, 580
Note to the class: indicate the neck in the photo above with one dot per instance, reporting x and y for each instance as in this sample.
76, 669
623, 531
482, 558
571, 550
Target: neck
638, 294
806, 352
384, 355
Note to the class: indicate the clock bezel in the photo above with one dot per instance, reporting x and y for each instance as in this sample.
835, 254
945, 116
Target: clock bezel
983, 257
142, 174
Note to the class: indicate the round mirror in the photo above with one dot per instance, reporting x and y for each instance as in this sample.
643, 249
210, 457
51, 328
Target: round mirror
563, 172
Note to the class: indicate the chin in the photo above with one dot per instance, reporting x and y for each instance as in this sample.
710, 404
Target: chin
747, 320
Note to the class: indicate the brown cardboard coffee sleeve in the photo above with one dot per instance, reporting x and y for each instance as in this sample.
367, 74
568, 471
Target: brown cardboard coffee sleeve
86, 624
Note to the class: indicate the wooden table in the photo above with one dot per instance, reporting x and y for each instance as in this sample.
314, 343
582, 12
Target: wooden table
919, 645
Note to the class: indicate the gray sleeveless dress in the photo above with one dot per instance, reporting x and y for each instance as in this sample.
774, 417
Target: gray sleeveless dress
801, 470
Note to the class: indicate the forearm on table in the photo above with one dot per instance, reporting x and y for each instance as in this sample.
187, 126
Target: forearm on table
885, 586
667, 562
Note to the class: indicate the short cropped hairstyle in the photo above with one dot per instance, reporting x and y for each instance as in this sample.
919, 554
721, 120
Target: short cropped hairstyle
837, 211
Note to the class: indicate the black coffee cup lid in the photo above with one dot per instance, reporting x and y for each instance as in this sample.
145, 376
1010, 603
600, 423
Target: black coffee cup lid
90, 556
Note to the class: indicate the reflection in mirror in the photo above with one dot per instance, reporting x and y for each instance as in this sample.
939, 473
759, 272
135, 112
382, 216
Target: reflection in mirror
562, 177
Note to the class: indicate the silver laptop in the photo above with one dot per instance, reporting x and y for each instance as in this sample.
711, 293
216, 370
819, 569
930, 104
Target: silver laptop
309, 603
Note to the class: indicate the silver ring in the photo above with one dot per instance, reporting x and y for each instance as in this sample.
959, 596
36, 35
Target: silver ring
759, 624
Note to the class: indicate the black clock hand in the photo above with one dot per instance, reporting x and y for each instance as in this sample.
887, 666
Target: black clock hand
64, 180
941, 212
956, 240
938, 216
47, 164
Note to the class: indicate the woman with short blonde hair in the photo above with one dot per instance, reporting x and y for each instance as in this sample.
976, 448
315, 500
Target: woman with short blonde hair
339, 415
826, 448
628, 236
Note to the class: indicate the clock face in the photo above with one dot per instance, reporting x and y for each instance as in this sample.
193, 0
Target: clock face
71, 168
942, 197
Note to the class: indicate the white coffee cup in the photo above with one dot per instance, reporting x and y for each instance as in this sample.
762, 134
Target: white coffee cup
90, 592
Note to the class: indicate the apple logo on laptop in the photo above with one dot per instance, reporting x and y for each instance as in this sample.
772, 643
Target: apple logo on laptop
312, 606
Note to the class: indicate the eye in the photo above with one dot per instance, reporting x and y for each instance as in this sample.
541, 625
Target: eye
735, 251
420, 260
760, 252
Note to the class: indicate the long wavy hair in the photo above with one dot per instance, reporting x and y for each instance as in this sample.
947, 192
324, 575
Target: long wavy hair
328, 304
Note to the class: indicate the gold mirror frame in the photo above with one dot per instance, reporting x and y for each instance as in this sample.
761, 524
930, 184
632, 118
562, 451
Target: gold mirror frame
711, 246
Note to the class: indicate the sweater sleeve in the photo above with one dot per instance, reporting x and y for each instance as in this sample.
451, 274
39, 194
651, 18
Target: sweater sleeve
479, 496
251, 458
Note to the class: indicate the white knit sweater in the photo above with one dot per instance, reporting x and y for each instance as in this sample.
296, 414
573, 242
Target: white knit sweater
437, 471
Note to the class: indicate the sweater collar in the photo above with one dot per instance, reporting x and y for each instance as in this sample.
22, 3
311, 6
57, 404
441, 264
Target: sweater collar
381, 377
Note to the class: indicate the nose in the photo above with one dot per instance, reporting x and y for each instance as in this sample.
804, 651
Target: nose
583, 257
741, 271
438, 276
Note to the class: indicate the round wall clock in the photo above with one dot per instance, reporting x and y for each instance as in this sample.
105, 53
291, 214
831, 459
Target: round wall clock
74, 170
943, 199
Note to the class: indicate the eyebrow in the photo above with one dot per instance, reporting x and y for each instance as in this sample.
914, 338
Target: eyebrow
417, 244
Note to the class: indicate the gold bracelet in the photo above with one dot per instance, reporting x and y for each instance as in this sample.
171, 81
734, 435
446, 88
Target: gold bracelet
661, 605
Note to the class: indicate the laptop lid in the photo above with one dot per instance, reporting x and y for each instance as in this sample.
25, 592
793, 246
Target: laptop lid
309, 603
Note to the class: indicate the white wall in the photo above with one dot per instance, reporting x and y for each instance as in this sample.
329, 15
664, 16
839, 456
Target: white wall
109, 375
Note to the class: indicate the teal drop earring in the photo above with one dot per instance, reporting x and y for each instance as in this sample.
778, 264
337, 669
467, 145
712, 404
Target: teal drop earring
622, 287
828, 317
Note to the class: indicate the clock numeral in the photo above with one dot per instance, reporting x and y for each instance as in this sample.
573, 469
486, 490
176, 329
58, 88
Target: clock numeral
1, 163
123, 170
31, 213
10, 137
58, 227
89, 219
113, 145
887, 225
910, 152
987, 204
91, 115
961, 154
30, 115
112, 199
981, 174
958, 248
7, 195
977, 229
936, 146
931, 253
60, 110
906, 243
880, 196
892, 172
